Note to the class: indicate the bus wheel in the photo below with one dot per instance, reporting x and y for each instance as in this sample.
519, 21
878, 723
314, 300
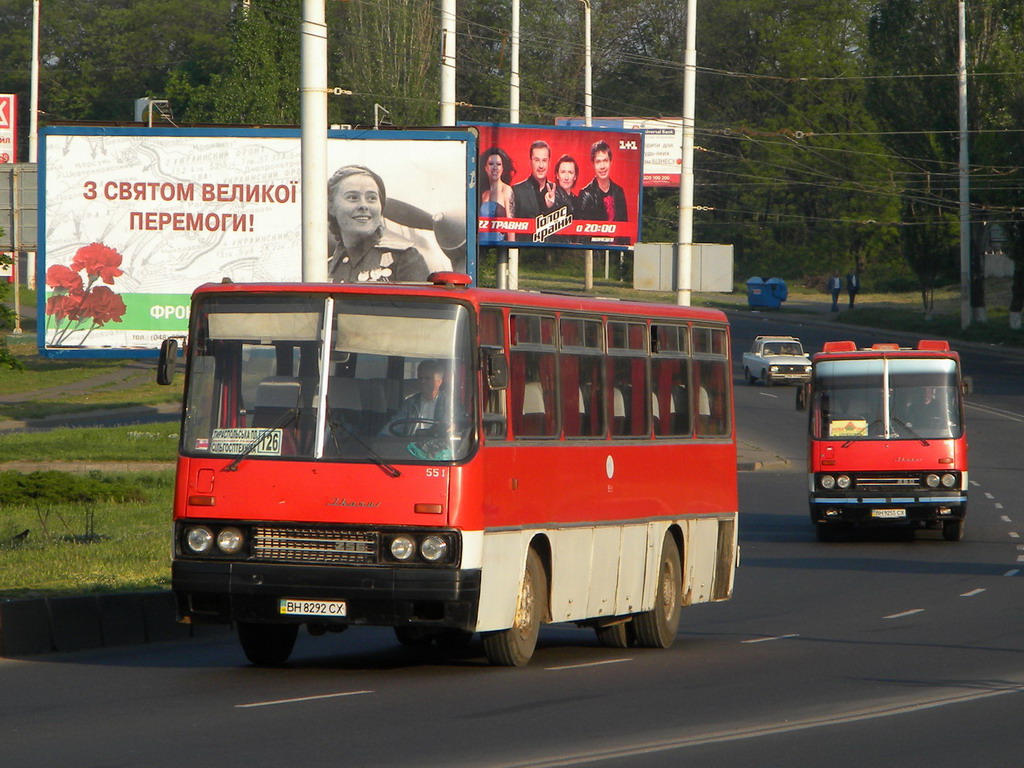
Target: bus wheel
514, 646
614, 636
657, 627
953, 530
267, 645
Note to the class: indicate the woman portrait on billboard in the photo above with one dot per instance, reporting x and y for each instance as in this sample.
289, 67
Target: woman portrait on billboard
567, 171
496, 198
366, 251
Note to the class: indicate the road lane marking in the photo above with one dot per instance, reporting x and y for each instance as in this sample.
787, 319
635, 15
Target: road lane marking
769, 639
1014, 535
973, 592
1013, 572
586, 664
911, 612
989, 495
1005, 519
874, 712
998, 505
300, 699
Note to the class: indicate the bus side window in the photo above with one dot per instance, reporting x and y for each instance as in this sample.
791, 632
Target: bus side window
492, 341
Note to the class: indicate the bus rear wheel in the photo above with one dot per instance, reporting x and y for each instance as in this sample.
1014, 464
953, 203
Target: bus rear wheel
657, 627
514, 646
614, 636
267, 645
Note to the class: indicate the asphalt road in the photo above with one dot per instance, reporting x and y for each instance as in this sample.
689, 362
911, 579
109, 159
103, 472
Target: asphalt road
876, 651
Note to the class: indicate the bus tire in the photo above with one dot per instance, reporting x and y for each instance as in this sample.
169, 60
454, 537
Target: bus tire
514, 646
614, 636
657, 627
267, 645
953, 530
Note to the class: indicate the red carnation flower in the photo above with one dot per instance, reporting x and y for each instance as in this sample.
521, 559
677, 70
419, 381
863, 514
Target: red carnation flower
65, 307
98, 261
60, 277
103, 305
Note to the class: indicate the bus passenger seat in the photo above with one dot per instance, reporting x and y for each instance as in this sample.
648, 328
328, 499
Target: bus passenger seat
534, 413
274, 396
345, 403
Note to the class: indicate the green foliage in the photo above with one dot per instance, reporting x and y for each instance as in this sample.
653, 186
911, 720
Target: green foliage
52, 487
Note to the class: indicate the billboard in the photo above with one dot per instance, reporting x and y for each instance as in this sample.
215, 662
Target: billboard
8, 128
663, 144
132, 220
558, 187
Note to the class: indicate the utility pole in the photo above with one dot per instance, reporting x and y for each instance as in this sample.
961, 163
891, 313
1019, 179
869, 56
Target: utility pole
965, 193
684, 255
313, 141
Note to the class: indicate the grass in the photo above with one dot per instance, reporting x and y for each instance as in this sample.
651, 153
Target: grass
138, 442
48, 548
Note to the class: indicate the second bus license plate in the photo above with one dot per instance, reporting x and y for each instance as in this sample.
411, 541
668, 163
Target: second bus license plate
889, 513
295, 607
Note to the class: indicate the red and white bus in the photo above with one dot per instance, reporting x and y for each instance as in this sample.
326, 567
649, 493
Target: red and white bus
887, 441
565, 460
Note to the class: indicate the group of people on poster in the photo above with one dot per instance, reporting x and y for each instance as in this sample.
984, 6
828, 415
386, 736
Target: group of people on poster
550, 188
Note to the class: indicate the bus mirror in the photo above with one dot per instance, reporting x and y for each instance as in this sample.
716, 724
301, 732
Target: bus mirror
168, 361
497, 370
966, 385
803, 393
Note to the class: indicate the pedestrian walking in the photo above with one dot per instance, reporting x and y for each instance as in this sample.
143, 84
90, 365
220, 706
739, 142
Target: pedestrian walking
852, 286
835, 287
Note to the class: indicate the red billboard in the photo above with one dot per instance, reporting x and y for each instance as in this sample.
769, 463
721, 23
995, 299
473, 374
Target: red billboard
558, 187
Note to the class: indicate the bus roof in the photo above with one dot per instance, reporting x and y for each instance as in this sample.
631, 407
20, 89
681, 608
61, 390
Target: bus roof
834, 350
447, 285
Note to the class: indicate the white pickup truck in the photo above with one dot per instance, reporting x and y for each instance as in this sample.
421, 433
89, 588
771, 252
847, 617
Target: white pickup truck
776, 360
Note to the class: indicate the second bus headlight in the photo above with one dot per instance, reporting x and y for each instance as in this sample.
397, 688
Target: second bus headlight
230, 541
199, 539
403, 547
433, 548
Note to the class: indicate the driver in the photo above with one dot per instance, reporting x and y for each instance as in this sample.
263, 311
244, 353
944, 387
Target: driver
422, 409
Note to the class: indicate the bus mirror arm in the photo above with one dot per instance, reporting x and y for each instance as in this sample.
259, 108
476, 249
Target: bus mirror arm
966, 386
168, 361
497, 371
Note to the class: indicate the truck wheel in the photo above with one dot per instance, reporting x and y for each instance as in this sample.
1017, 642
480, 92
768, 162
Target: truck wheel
657, 627
514, 646
267, 645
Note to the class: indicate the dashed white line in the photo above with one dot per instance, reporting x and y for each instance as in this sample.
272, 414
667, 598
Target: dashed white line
1013, 535
973, 592
904, 613
300, 699
998, 505
1005, 519
588, 664
769, 639
1012, 572
989, 495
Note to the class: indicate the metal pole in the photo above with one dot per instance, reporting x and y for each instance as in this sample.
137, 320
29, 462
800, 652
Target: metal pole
508, 258
588, 118
33, 105
684, 255
965, 192
313, 141
448, 9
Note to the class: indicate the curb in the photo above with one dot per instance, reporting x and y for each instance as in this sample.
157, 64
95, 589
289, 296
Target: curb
59, 624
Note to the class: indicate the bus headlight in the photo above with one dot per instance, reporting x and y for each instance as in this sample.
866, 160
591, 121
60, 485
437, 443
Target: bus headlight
828, 482
199, 539
949, 480
403, 547
932, 481
843, 481
433, 548
230, 541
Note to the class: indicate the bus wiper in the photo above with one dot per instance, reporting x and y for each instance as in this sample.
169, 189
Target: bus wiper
375, 457
910, 430
290, 415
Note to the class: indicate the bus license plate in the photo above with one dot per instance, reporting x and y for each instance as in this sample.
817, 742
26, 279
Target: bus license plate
889, 513
294, 607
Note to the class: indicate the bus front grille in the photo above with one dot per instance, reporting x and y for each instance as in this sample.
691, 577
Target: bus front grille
314, 545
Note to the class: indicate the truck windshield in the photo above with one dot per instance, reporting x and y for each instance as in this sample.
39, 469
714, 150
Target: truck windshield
886, 399
367, 379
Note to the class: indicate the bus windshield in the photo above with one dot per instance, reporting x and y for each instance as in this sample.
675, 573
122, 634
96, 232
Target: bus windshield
366, 379
886, 398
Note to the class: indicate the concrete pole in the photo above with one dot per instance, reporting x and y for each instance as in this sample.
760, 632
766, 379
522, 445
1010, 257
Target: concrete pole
684, 256
448, 9
588, 119
314, 141
965, 191
508, 258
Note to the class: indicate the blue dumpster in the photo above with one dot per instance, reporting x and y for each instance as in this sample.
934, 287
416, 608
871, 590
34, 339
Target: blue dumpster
765, 293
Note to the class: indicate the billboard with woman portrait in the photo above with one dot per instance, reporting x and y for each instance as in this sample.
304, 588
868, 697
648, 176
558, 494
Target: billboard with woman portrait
561, 187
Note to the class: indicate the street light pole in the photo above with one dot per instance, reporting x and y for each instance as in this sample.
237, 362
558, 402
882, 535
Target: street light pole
588, 118
313, 140
33, 105
965, 193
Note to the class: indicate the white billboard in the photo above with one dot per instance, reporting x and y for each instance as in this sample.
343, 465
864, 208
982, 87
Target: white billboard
8, 128
663, 144
133, 219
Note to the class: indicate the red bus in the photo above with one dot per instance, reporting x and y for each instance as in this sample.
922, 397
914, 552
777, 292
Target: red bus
887, 441
449, 460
